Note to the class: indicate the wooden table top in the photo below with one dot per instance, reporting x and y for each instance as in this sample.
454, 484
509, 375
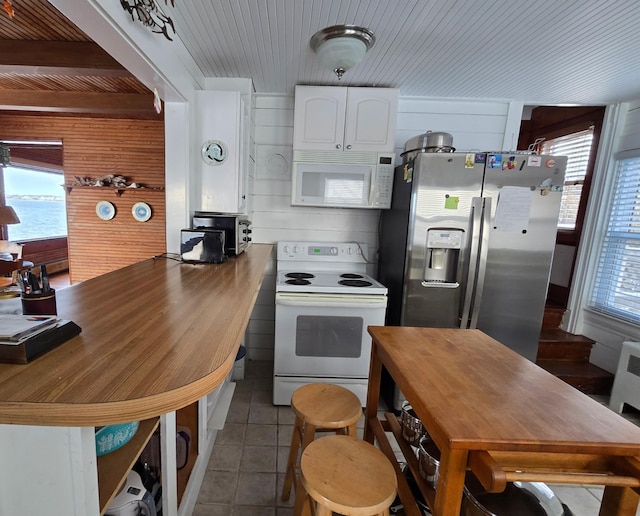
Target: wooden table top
474, 393
156, 336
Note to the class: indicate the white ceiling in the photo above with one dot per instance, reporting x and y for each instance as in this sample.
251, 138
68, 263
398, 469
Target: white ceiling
535, 51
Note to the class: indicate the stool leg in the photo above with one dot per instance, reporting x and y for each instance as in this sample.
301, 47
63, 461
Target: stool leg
308, 435
296, 438
321, 510
352, 430
303, 506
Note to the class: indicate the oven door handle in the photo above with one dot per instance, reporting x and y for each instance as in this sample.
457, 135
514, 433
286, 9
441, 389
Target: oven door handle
320, 301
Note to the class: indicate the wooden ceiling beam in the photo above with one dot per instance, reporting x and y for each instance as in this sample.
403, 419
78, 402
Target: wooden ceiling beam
78, 102
83, 58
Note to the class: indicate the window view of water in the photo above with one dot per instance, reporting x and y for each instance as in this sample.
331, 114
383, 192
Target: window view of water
38, 218
38, 199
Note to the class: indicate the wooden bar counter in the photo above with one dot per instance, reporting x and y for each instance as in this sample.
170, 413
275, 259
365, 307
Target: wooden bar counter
156, 336
159, 339
494, 413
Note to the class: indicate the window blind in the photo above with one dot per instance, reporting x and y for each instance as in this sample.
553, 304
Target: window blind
577, 147
617, 285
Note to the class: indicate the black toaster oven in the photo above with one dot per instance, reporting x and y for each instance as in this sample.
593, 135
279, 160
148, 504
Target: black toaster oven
237, 229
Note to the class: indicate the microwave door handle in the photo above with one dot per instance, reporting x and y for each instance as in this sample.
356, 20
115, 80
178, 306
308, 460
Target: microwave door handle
372, 187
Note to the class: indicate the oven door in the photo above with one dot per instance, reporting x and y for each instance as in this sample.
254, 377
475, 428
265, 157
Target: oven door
325, 335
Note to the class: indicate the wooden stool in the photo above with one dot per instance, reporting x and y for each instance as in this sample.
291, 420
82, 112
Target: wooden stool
348, 476
319, 407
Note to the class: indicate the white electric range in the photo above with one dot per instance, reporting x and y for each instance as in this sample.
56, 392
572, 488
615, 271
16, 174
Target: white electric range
324, 303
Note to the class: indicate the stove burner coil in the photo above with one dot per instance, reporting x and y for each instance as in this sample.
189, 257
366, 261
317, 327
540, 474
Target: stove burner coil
350, 275
299, 275
355, 283
298, 281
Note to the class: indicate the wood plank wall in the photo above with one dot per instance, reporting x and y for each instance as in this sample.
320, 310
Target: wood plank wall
93, 147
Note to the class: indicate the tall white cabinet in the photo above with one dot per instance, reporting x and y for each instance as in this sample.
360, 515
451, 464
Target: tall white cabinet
221, 147
347, 119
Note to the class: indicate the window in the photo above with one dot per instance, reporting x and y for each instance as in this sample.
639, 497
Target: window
577, 147
38, 199
617, 285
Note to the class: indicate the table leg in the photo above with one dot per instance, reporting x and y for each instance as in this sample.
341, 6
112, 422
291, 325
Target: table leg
451, 473
373, 392
619, 501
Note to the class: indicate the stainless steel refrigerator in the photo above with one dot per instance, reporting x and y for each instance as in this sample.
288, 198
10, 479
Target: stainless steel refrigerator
468, 243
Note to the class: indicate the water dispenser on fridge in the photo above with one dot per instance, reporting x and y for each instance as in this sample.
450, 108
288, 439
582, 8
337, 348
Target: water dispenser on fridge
443, 257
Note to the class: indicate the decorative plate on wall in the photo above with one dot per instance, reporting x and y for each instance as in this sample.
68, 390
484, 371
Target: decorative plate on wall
105, 210
214, 152
141, 211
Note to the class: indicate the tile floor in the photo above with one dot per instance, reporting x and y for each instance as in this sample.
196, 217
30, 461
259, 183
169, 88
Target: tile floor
246, 471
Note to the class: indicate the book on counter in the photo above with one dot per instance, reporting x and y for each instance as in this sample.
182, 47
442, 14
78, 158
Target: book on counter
15, 328
37, 340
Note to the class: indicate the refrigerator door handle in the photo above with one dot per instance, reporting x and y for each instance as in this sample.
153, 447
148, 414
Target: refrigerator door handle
482, 263
475, 233
440, 284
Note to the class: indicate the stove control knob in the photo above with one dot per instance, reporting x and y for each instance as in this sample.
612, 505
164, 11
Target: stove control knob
286, 249
296, 249
334, 250
349, 250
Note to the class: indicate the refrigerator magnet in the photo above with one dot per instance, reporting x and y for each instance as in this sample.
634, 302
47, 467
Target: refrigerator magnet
534, 161
494, 161
451, 203
469, 160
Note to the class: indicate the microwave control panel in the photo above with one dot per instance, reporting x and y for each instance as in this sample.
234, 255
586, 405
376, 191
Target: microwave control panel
384, 183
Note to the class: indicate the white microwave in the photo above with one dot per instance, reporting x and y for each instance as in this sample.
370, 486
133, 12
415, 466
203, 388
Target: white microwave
342, 179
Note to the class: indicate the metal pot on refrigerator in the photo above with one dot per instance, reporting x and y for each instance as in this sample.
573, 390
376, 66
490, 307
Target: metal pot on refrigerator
428, 142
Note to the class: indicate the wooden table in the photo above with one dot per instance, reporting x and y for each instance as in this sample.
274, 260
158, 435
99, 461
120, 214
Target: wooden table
491, 411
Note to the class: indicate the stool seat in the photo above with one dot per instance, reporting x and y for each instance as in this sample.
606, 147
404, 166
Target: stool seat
319, 407
347, 476
326, 405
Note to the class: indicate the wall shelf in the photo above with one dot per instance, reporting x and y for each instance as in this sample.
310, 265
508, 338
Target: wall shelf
117, 190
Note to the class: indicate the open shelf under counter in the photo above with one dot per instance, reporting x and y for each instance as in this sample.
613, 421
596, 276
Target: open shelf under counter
114, 467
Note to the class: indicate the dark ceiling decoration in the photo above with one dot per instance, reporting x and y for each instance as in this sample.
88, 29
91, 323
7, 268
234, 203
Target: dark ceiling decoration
151, 15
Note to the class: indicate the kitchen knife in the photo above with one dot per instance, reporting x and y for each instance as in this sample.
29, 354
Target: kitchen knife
44, 277
33, 282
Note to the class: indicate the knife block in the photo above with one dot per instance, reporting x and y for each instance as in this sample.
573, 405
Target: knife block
39, 304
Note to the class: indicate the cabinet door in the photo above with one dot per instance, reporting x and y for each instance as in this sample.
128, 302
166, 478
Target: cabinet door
319, 117
222, 184
371, 119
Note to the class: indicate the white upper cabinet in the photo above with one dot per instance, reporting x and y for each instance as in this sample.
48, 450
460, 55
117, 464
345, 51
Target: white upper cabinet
221, 148
349, 119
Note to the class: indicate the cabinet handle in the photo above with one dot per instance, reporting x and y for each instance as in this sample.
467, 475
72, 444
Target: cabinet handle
338, 146
348, 146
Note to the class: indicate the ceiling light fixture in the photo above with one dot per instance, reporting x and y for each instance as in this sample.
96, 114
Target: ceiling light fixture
341, 47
